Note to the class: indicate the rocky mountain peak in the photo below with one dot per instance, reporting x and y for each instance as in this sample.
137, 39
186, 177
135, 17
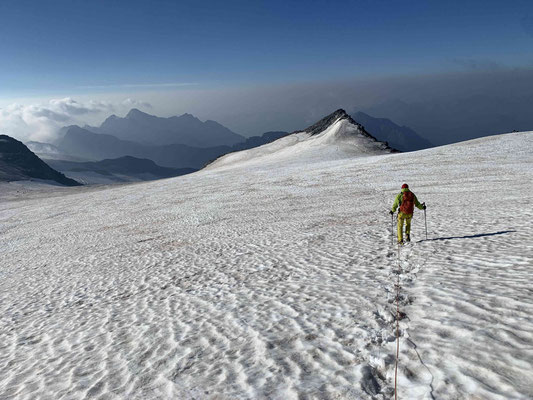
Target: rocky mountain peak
135, 113
330, 119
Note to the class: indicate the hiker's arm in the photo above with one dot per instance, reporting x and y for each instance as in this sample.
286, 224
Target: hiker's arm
396, 202
417, 203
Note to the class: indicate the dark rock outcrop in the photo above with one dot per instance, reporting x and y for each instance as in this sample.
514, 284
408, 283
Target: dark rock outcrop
18, 163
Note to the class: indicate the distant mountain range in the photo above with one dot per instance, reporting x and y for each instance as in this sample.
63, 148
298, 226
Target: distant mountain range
123, 169
399, 137
167, 141
150, 130
80, 142
141, 146
18, 163
83, 143
255, 141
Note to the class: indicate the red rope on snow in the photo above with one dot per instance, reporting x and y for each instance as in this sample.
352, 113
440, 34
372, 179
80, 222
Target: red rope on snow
397, 327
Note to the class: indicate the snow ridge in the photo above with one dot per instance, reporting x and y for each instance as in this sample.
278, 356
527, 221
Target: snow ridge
335, 136
339, 115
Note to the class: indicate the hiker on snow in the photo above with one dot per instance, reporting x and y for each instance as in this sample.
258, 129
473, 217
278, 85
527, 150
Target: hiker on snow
407, 201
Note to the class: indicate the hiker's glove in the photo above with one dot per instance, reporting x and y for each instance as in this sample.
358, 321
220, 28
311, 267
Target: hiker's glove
423, 206
391, 212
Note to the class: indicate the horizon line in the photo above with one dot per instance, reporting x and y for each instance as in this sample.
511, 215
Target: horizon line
138, 85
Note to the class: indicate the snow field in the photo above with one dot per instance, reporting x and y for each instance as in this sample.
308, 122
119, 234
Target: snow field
274, 279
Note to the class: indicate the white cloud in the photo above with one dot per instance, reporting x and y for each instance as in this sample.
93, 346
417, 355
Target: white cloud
41, 122
69, 106
136, 103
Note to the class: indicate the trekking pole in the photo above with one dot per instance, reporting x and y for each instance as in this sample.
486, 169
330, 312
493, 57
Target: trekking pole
426, 221
392, 229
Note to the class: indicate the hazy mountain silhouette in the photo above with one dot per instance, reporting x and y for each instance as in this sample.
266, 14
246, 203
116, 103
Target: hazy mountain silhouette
466, 117
95, 146
80, 142
17, 163
152, 130
49, 151
255, 141
121, 169
402, 138
83, 143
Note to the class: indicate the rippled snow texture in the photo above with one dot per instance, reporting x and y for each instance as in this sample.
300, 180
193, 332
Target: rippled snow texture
275, 280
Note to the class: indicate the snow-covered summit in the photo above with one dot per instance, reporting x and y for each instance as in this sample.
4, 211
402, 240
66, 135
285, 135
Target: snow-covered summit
334, 136
330, 119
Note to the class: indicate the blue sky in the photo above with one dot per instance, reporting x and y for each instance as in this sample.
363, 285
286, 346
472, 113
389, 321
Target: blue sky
451, 70
94, 46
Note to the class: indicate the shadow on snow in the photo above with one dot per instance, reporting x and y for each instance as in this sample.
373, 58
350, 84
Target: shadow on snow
467, 236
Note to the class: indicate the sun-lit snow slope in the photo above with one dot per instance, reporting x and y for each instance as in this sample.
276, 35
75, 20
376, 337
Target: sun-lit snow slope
276, 281
342, 138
